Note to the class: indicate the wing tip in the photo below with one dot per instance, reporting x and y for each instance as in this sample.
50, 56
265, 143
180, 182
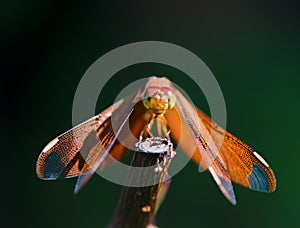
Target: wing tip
49, 167
262, 179
227, 190
82, 180
225, 186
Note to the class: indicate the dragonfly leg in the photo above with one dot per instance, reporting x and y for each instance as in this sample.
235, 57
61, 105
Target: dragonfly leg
162, 127
146, 131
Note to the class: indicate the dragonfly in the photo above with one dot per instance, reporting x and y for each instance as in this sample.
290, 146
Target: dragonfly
95, 143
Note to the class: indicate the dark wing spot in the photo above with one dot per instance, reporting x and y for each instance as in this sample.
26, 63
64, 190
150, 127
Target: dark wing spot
53, 165
258, 179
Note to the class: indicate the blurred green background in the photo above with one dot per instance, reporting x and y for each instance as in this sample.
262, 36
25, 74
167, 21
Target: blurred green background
252, 47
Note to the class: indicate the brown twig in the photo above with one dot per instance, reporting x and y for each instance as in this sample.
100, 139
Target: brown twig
138, 205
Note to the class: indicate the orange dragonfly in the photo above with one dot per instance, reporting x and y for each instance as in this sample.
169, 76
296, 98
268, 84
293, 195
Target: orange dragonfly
90, 146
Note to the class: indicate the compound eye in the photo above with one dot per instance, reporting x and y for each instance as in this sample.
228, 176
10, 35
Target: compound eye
171, 101
146, 102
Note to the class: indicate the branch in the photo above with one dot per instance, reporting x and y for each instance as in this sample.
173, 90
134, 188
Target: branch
138, 205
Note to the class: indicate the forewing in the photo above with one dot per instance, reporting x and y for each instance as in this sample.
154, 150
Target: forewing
246, 167
85, 148
121, 132
65, 156
194, 138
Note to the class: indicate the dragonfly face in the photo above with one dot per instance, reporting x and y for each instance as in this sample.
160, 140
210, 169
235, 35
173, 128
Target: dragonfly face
158, 96
158, 100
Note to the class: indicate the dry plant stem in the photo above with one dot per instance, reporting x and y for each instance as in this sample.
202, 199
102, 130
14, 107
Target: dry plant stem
137, 205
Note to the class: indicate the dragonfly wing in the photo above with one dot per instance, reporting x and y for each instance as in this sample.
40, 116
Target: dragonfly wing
65, 155
135, 116
194, 138
246, 167
85, 148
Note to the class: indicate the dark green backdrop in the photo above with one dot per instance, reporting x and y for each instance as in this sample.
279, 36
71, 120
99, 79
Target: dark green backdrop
252, 47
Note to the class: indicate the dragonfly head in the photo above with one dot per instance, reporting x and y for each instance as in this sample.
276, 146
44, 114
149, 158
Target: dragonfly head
159, 99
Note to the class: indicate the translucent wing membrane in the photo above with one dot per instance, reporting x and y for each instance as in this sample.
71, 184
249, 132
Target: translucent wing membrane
64, 156
246, 167
198, 143
227, 158
85, 148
